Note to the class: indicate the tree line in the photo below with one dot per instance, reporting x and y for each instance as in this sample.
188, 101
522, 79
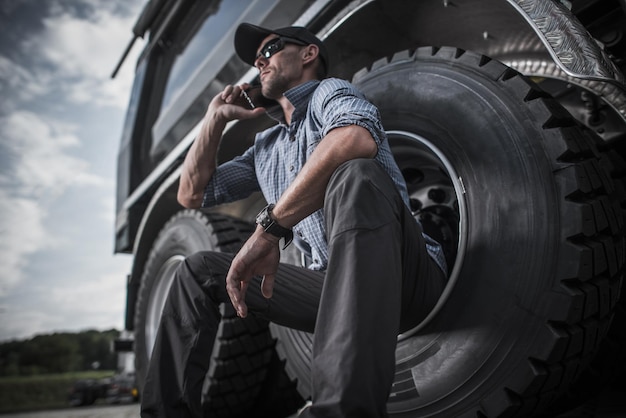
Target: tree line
59, 353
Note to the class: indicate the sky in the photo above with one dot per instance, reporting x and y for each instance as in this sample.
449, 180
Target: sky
61, 119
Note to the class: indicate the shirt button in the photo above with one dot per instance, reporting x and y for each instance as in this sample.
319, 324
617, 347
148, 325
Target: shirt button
292, 137
291, 168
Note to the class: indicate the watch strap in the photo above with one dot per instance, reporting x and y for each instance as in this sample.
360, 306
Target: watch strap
269, 225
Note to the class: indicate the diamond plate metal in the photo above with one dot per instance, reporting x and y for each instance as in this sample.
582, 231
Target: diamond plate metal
568, 41
579, 57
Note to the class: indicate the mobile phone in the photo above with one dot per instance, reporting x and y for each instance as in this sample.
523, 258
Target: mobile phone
255, 98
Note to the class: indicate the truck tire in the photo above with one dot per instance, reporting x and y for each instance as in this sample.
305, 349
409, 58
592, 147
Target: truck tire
243, 348
531, 224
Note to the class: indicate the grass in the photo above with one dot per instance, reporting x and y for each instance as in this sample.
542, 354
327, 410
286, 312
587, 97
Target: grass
31, 393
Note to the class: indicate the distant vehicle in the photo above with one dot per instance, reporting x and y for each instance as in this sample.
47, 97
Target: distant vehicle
122, 388
86, 392
507, 119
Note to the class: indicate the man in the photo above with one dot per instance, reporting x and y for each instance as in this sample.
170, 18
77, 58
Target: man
327, 171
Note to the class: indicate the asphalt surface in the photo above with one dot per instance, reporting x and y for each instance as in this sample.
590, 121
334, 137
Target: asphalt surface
108, 411
609, 404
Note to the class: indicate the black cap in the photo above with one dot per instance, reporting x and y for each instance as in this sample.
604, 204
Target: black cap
248, 39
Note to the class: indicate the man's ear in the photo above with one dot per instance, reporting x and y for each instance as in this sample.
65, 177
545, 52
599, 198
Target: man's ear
310, 53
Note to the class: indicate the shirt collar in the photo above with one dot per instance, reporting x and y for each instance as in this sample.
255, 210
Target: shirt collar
299, 98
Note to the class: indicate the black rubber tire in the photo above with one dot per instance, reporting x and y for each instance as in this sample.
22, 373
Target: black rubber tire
537, 259
606, 372
243, 350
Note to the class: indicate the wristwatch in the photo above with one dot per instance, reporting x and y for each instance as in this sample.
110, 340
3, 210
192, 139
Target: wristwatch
269, 225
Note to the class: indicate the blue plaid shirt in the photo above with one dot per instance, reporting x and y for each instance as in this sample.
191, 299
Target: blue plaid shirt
279, 153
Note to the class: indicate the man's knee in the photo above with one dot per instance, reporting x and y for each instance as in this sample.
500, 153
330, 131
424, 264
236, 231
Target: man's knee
355, 170
206, 270
360, 194
194, 262
349, 181
206, 263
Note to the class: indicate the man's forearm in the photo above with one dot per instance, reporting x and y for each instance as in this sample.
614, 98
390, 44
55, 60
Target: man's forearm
200, 162
306, 194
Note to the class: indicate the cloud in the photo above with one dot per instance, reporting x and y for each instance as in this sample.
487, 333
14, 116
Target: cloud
98, 294
79, 304
55, 80
23, 233
79, 53
18, 83
37, 170
42, 167
27, 323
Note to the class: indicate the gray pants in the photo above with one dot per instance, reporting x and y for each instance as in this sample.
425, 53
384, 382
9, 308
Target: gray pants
379, 282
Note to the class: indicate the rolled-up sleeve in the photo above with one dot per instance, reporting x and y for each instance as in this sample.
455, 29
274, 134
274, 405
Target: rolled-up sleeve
233, 180
340, 104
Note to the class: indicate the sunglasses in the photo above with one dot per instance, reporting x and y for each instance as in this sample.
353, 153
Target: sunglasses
275, 45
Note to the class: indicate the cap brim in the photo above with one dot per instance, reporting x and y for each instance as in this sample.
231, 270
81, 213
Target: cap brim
247, 40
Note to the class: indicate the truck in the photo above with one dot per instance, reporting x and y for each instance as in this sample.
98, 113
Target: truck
507, 119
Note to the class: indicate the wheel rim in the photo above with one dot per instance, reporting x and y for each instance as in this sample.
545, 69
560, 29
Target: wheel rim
437, 197
162, 283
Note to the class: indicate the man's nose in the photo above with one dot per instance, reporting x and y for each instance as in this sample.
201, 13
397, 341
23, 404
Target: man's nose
260, 62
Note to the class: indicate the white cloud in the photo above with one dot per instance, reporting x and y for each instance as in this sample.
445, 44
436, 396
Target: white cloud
39, 146
43, 162
20, 82
81, 303
106, 211
25, 324
82, 53
93, 296
23, 233
38, 171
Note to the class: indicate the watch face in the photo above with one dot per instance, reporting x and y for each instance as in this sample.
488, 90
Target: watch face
263, 218
270, 226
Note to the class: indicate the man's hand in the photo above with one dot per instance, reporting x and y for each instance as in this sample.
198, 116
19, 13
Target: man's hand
259, 256
230, 104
